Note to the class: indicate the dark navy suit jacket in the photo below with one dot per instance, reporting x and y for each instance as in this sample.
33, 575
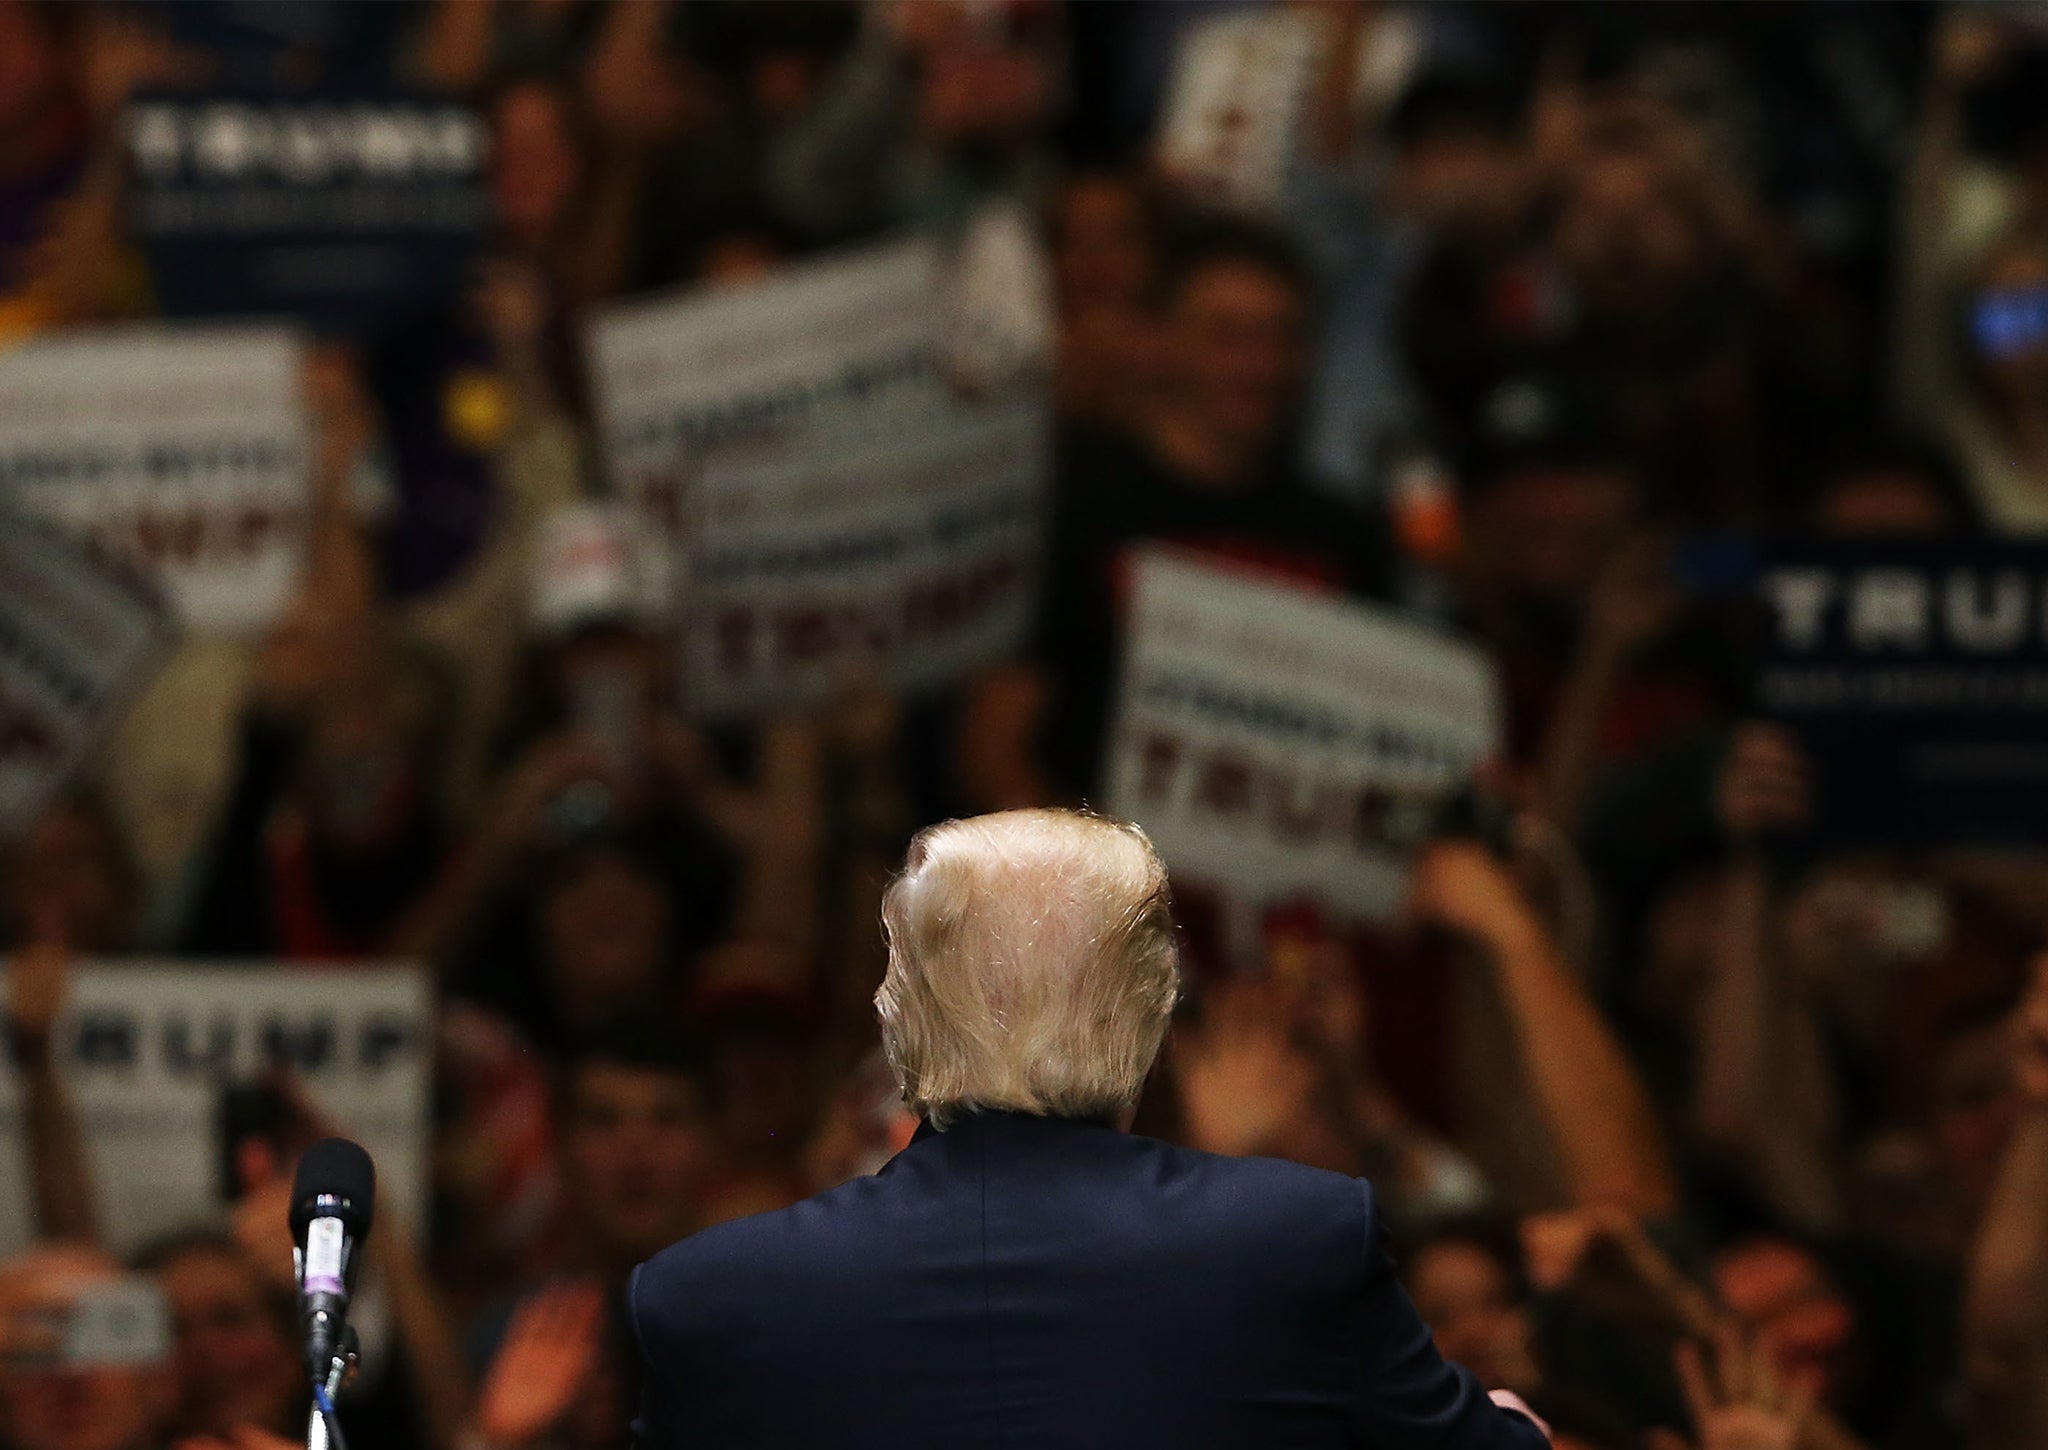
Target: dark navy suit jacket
1046, 1284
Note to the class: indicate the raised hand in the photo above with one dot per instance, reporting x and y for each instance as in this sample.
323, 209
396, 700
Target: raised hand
1464, 888
1242, 1078
1736, 1399
550, 1350
514, 814
261, 1224
1764, 784
1632, 600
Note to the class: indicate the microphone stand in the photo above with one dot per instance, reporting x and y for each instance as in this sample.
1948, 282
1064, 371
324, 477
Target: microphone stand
323, 1426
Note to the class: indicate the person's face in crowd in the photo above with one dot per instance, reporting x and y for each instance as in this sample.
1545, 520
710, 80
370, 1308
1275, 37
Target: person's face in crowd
975, 86
535, 166
69, 867
236, 1362
71, 1407
1624, 235
1108, 363
605, 923
1102, 264
1232, 347
1459, 181
2016, 365
1468, 1301
1543, 532
1102, 245
764, 1089
633, 1154
1801, 1320
1892, 503
1972, 1110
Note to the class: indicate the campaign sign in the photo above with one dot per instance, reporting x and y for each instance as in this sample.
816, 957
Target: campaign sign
78, 635
1916, 676
837, 494
349, 212
179, 449
1279, 745
146, 1049
1232, 122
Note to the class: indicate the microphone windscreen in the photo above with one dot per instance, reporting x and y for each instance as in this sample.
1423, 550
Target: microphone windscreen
334, 1168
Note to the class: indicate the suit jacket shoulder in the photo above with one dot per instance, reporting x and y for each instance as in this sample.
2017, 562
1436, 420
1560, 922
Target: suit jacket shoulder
1028, 1282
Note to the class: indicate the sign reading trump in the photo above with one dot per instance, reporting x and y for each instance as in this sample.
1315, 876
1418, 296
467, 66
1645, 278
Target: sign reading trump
147, 1049
349, 211
1916, 676
78, 635
839, 490
1280, 744
180, 449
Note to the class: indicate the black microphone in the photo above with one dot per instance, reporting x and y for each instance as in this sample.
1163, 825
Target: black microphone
331, 1199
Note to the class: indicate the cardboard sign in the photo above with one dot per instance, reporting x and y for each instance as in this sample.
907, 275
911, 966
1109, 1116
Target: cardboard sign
1916, 676
349, 212
1279, 745
148, 1046
181, 450
835, 496
78, 635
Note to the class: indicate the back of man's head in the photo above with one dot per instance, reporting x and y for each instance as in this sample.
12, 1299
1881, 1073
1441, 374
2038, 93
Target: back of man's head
1032, 966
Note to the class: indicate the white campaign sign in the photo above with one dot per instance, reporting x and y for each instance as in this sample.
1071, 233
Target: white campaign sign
1278, 744
77, 637
834, 497
181, 449
1232, 124
147, 1047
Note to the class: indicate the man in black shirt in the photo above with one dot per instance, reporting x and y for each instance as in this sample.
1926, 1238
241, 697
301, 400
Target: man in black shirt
1206, 469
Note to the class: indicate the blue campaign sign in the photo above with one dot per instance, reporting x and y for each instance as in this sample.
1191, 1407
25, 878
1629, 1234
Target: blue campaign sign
348, 212
1916, 674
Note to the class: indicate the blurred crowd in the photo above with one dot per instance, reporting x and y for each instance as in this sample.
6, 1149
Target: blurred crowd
1695, 1128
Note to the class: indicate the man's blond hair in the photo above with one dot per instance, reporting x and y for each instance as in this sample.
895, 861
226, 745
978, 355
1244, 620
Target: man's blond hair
1032, 966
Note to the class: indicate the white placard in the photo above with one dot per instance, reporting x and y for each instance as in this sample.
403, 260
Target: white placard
147, 1047
180, 449
835, 498
77, 637
1231, 127
1278, 744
